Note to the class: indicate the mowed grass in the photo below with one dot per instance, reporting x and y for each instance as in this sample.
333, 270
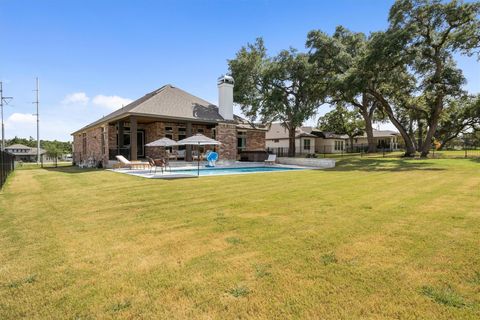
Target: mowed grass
373, 238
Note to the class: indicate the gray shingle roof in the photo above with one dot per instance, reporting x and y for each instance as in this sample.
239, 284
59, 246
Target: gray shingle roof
30, 151
168, 102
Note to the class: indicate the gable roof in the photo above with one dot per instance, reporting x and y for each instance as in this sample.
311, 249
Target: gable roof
168, 102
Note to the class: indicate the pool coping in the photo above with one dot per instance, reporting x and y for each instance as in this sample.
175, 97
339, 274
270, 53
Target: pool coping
170, 175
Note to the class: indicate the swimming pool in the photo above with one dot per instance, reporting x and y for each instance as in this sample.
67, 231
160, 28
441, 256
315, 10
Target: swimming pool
237, 170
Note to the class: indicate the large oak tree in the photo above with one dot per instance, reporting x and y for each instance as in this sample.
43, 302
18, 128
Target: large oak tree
283, 88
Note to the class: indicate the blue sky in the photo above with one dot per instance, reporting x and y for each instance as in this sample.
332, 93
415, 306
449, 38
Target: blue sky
92, 56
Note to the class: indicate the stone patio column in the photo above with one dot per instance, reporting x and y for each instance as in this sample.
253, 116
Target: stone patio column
133, 138
188, 149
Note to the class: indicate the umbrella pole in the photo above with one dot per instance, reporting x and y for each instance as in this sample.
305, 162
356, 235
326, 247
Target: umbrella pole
198, 160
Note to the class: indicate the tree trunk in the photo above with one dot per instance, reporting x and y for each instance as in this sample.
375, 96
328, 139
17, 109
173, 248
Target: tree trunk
372, 147
420, 134
432, 127
409, 146
351, 144
291, 142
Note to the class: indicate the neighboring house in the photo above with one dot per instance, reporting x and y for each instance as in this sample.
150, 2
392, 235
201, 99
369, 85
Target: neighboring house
384, 139
23, 153
277, 140
168, 112
311, 140
328, 142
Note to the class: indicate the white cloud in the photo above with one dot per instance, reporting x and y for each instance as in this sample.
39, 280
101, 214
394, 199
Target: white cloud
76, 97
20, 118
110, 102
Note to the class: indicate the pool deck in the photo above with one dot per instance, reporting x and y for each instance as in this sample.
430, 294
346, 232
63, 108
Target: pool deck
145, 173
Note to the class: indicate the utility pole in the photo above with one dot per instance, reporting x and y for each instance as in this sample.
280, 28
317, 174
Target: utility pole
3, 100
38, 121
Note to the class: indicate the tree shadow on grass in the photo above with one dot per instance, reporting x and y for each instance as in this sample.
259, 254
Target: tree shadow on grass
71, 169
388, 165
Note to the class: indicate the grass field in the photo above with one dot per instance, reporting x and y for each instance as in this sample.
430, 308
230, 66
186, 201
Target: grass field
373, 238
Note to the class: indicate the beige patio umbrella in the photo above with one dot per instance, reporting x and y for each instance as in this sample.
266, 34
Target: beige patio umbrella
198, 140
163, 142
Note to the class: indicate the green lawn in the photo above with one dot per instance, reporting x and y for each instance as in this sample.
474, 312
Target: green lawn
373, 238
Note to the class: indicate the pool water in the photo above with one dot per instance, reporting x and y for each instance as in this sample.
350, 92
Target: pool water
223, 171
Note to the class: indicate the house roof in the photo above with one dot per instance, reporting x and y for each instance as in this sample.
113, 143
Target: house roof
30, 152
167, 102
383, 133
17, 146
277, 132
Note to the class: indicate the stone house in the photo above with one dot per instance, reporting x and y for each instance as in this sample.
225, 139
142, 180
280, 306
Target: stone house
173, 113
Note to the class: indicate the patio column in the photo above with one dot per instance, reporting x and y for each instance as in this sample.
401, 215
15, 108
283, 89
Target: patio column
133, 138
188, 150
120, 142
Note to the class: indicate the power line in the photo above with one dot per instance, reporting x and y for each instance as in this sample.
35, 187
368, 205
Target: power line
3, 100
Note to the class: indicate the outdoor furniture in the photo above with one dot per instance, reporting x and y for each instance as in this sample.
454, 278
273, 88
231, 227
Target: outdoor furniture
131, 164
155, 163
198, 140
271, 159
172, 155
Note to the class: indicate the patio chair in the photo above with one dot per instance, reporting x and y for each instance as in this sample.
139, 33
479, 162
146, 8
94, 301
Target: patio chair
154, 164
271, 159
172, 154
130, 164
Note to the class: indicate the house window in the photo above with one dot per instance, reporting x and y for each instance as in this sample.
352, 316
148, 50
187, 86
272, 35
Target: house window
338, 145
241, 140
84, 143
306, 144
276, 140
169, 130
200, 130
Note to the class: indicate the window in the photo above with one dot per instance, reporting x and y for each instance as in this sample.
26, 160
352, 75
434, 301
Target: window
241, 140
84, 143
276, 140
338, 145
200, 130
168, 129
306, 144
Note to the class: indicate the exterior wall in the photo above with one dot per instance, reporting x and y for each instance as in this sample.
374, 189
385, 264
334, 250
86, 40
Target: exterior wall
94, 150
283, 143
255, 140
226, 133
327, 145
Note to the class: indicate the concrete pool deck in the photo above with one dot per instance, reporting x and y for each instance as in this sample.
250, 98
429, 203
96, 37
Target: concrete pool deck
174, 174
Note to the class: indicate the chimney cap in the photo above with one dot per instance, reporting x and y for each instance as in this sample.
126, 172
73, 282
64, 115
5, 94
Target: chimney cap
225, 79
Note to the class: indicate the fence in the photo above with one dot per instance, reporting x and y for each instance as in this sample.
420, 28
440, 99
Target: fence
50, 160
331, 151
360, 151
7, 165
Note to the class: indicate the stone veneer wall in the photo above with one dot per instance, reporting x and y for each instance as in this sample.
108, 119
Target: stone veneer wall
226, 133
255, 140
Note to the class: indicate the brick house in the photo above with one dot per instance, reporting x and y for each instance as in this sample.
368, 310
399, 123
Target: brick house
173, 113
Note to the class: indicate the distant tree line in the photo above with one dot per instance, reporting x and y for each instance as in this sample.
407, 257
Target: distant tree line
52, 147
406, 74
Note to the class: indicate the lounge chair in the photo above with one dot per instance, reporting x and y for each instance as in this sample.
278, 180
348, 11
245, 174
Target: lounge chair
131, 164
271, 159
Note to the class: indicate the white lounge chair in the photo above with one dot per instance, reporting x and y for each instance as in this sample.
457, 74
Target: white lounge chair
271, 159
131, 164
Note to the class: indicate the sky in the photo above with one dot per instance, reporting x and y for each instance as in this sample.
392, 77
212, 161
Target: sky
92, 57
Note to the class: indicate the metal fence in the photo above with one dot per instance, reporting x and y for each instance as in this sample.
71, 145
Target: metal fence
7, 165
471, 152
